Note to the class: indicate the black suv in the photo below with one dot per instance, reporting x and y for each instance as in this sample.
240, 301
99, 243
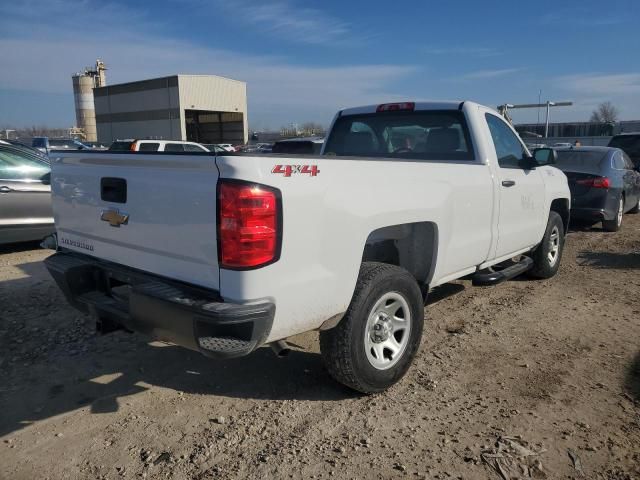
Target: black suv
630, 143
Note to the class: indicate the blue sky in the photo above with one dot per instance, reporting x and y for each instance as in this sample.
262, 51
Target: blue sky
304, 60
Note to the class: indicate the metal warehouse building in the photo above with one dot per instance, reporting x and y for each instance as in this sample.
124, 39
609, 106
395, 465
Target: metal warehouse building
197, 108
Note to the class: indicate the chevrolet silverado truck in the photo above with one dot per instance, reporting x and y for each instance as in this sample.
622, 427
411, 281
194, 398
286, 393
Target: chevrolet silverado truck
225, 253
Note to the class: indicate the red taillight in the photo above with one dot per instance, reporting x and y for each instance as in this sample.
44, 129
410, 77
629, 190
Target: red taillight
248, 225
394, 107
597, 182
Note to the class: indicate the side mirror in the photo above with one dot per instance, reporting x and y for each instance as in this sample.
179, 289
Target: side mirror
545, 156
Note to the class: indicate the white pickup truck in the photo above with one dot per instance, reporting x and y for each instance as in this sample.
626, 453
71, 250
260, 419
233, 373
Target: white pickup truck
224, 254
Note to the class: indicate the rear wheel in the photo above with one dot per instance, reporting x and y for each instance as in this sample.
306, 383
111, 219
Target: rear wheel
547, 256
375, 342
615, 224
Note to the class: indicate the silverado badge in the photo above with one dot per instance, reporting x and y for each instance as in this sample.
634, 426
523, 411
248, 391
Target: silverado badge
114, 217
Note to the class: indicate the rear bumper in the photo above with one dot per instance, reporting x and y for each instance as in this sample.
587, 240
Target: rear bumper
595, 214
186, 315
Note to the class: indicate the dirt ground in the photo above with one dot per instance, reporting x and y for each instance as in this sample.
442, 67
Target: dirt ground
556, 363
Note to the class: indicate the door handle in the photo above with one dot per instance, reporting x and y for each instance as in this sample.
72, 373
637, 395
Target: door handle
508, 183
5, 189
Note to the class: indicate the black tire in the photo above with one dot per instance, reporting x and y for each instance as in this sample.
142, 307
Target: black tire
343, 347
635, 209
543, 267
615, 224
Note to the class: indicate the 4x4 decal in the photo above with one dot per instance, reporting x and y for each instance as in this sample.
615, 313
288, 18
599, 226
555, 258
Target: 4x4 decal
289, 170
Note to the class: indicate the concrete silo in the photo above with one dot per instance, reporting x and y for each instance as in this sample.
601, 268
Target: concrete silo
83, 85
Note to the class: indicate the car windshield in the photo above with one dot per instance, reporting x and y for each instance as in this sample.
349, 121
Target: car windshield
17, 165
589, 160
429, 135
629, 143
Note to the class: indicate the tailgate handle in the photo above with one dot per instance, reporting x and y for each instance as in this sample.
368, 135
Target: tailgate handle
113, 189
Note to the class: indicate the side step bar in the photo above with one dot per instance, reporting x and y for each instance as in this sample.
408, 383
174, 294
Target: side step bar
485, 278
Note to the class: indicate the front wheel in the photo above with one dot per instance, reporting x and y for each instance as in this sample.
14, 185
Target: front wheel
547, 256
375, 342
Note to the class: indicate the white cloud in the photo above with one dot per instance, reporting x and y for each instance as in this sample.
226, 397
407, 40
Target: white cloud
289, 21
43, 59
581, 17
488, 74
601, 84
464, 50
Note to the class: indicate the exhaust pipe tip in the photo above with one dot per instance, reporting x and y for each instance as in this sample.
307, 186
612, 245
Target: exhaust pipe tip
280, 348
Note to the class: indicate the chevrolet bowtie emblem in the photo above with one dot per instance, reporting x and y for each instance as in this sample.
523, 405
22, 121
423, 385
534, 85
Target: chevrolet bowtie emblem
114, 217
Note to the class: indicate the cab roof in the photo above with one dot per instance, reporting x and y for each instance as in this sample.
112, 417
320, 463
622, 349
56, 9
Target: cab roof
424, 105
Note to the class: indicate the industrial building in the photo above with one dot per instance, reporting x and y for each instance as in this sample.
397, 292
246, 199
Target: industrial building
83, 85
197, 108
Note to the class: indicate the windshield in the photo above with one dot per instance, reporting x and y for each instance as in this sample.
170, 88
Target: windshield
629, 143
580, 160
429, 135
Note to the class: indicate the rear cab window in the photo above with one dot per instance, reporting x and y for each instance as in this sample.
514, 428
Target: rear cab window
421, 134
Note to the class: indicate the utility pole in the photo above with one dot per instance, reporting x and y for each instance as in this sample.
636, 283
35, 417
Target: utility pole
546, 123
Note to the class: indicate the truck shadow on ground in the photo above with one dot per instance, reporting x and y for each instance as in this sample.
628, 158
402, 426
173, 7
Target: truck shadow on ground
52, 362
18, 247
103, 379
632, 380
609, 260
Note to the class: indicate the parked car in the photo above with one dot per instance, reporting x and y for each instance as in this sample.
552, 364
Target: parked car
46, 144
299, 146
630, 143
134, 145
604, 184
265, 148
97, 145
227, 146
25, 196
247, 250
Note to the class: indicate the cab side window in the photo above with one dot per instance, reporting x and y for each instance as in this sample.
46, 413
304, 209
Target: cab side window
509, 149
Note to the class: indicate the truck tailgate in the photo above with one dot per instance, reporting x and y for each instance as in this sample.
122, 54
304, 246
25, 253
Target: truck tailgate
153, 212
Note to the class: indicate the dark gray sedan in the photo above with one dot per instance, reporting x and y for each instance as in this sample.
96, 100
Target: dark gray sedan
604, 184
25, 196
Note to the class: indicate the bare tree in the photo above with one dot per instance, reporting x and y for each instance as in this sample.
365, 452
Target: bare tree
605, 113
312, 128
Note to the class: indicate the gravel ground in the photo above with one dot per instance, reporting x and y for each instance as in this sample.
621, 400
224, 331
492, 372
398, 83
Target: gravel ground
543, 376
